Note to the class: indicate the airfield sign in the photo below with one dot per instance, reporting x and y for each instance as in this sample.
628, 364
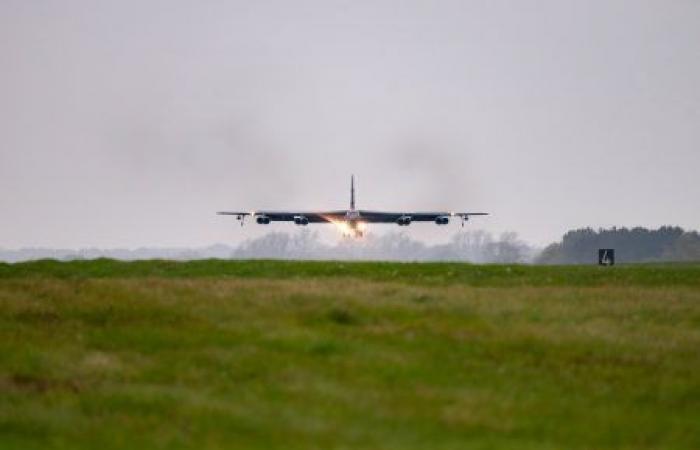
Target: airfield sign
606, 257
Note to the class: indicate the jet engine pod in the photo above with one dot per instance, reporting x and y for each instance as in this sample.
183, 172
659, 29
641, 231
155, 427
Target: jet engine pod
404, 221
262, 220
301, 220
442, 220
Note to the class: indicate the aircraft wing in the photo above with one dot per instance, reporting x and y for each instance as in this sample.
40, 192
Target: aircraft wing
467, 215
234, 213
391, 217
288, 216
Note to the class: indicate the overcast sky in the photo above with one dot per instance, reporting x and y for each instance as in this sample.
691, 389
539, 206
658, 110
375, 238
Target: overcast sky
129, 123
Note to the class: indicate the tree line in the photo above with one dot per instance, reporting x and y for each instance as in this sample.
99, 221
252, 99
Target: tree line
473, 246
664, 244
576, 247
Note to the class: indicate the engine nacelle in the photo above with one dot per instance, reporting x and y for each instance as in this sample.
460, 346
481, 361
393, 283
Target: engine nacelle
301, 220
404, 221
262, 220
442, 220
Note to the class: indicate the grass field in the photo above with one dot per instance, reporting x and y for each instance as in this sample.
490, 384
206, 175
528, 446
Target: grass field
330, 355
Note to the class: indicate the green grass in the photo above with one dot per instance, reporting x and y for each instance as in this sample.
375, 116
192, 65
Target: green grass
438, 273
316, 355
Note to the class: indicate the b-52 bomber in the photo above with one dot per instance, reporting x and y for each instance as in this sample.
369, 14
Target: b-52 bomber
352, 222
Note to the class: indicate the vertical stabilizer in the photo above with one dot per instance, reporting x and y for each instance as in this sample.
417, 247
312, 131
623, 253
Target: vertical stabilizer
352, 192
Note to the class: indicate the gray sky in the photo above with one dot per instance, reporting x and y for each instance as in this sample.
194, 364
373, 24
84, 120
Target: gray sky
129, 123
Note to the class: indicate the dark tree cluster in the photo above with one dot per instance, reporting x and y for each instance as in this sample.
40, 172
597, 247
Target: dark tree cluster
631, 245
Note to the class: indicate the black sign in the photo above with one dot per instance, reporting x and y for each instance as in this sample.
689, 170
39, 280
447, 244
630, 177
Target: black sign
606, 257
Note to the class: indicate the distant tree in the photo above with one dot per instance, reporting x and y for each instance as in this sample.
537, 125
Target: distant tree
271, 245
508, 249
552, 254
685, 248
472, 246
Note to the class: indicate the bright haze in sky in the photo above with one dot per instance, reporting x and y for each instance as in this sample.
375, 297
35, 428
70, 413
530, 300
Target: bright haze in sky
129, 123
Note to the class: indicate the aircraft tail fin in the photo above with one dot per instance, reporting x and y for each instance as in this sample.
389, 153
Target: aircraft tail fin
352, 192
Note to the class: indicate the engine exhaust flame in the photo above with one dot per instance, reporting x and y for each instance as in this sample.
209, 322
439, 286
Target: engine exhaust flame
347, 229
